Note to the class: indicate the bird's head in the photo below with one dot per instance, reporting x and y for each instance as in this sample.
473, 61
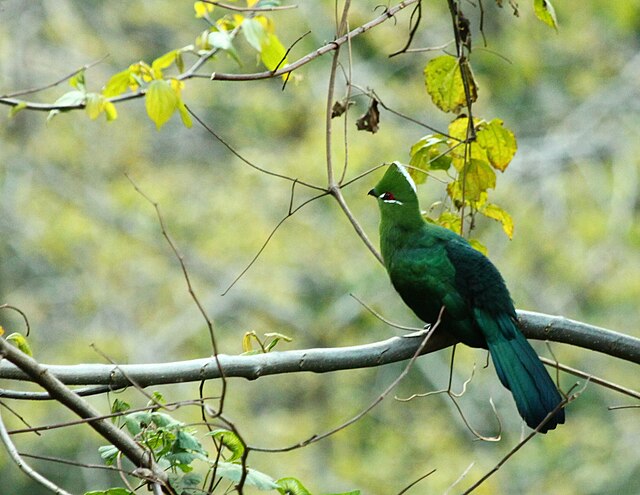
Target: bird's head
396, 189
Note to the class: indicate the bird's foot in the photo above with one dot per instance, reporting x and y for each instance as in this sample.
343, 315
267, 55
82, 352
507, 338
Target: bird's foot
419, 333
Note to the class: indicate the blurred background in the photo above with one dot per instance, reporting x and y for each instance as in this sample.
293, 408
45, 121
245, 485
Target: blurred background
81, 253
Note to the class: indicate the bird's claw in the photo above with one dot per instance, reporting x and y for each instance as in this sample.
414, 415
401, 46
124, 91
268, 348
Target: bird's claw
418, 333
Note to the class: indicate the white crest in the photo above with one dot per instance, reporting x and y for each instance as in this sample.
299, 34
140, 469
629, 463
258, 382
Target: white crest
404, 172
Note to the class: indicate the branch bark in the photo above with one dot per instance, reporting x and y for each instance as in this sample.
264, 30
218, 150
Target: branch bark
534, 325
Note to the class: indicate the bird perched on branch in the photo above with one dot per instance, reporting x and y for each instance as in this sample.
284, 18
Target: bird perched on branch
432, 267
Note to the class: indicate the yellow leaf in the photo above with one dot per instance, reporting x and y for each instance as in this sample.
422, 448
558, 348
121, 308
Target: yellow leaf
444, 83
163, 62
478, 246
160, 101
460, 152
20, 342
1, 330
500, 215
546, 13
94, 105
118, 84
202, 9
110, 111
272, 53
498, 142
184, 114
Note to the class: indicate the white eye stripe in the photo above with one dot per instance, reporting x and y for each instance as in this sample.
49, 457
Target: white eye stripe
393, 201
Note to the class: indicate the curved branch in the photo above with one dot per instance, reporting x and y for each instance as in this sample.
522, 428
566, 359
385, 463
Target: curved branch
332, 45
534, 325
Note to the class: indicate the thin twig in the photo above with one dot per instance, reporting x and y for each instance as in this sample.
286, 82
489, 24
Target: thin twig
364, 412
28, 470
250, 9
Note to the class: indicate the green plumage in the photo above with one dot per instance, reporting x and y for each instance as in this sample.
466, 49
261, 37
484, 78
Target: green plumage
431, 267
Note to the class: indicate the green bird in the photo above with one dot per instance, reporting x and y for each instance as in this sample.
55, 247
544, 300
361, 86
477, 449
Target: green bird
432, 267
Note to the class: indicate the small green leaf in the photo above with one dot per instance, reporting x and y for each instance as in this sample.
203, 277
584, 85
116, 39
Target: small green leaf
498, 142
255, 478
20, 342
77, 81
428, 154
291, 486
546, 13
160, 101
109, 453
186, 441
16, 108
220, 39
254, 33
444, 83
111, 491
231, 441
119, 406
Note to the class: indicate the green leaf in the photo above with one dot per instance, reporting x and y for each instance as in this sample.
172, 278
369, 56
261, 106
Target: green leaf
111, 491
428, 154
119, 406
17, 108
187, 484
498, 142
220, 39
254, 33
275, 338
109, 453
20, 342
444, 83
160, 101
255, 478
272, 52
77, 81
231, 441
186, 441
546, 13
500, 215
291, 486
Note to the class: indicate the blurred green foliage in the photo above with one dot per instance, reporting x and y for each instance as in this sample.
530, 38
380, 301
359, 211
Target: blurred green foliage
81, 253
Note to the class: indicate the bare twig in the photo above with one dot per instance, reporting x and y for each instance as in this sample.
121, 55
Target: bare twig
315, 438
235, 8
28, 470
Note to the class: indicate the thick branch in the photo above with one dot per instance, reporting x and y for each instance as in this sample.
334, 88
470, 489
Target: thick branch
43, 376
534, 325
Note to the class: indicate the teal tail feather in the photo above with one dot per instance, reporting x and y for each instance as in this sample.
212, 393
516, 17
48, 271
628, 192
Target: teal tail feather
522, 372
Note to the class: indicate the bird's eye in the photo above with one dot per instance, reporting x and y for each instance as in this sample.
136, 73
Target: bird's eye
388, 197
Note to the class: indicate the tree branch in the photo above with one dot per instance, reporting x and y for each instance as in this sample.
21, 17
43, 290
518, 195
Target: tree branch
43, 376
534, 325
